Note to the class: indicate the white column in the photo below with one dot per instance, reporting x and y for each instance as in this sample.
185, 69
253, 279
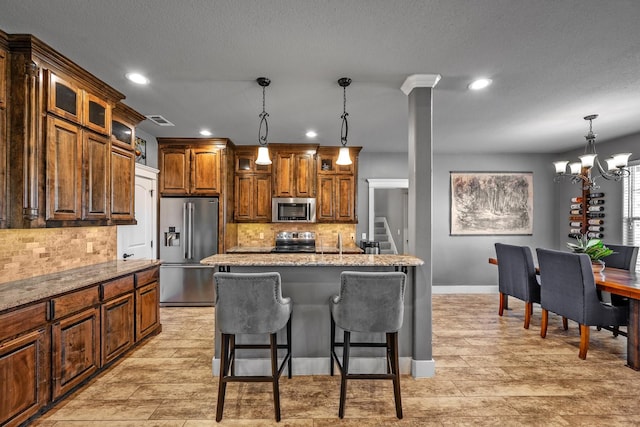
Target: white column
419, 89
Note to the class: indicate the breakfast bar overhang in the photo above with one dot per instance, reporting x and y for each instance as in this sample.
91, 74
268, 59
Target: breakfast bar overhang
310, 280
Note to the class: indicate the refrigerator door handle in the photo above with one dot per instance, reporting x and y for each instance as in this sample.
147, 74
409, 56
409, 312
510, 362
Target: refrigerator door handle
185, 227
189, 243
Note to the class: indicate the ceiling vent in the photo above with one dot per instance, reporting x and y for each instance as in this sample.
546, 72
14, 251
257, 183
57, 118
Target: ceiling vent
159, 120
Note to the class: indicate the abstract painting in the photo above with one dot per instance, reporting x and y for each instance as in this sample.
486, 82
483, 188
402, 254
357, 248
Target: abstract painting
484, 203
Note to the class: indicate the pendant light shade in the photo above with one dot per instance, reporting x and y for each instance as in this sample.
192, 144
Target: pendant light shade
263, 156
263, 130
343, 156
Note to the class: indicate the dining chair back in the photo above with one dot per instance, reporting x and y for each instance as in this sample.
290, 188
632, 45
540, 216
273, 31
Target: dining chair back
623, 257
567, 288
517, 277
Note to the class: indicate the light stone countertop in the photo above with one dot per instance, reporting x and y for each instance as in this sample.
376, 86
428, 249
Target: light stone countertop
25, 291
307, 260
267, 249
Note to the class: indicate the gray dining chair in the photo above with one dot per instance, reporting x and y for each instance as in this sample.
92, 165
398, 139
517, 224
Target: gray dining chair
369, 302
623, 257
251, 303
568, 288
517, 278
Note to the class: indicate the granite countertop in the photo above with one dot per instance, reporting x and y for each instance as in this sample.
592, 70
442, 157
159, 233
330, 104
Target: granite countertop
306, 260
267, 249
25, 291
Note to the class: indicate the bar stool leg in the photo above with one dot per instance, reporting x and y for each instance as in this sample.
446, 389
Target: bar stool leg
274, 375
222, 385
345, 372
232, 354
289, 364
393, 339
333, 344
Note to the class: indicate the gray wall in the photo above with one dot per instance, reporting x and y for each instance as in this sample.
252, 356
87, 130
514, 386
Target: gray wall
612, 190
450, 252
152, 147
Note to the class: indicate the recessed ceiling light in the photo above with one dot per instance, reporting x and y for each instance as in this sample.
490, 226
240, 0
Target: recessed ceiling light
205, 132
480, 84
311, 134
137, 78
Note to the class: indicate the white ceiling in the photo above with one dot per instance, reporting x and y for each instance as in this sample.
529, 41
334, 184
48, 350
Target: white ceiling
552, 62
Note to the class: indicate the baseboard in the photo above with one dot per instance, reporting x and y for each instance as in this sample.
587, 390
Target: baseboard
465, 289
423, 368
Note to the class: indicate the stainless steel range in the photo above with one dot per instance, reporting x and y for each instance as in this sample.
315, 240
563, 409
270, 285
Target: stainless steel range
295, 242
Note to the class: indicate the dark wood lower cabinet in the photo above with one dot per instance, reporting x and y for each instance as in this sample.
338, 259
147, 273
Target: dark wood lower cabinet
117, 327
51, 346
76, 350
147, 310
24, 377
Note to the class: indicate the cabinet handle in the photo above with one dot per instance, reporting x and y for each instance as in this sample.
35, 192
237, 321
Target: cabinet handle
52, 309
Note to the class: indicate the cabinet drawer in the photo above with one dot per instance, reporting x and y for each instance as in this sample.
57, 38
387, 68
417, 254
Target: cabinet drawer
117, 287
74, 302
23, 320
147, 276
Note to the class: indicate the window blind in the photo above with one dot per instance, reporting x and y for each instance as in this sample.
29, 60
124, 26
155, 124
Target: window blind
631, 207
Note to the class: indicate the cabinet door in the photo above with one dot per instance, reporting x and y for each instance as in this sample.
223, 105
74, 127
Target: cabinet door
96, 114
174, 171
244, 190
96, 182
24, 376
262, 198
325, 209
147, 310
64, 98
283, 175
205, 171
76, 350
122, 183
305, 175
117, 327
64, 169
345, 198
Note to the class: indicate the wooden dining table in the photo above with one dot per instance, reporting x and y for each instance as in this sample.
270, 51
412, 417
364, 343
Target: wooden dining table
627, 284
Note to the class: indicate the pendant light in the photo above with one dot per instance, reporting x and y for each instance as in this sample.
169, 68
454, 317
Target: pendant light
343, 156
263, 130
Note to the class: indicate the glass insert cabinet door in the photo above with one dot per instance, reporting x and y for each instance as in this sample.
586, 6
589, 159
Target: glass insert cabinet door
65, 98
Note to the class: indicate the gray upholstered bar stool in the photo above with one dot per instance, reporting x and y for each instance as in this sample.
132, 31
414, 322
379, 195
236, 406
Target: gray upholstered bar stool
251, 303
368, 302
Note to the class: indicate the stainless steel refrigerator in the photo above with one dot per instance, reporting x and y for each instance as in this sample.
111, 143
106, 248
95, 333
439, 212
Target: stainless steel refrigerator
188, 233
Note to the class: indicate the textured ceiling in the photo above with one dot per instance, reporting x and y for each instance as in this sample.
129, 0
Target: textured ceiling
552, 62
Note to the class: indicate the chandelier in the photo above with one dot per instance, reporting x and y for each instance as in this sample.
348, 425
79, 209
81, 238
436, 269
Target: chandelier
263, 130
581, 171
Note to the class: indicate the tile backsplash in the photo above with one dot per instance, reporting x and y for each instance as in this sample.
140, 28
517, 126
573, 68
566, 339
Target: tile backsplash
326, 234
32, 252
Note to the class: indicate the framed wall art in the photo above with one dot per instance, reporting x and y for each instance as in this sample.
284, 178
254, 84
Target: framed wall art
140, 147
487, 203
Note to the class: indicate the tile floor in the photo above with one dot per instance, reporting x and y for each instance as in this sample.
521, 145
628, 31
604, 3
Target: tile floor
489, 371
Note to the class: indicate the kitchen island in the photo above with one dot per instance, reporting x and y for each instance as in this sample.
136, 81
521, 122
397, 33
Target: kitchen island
310, 280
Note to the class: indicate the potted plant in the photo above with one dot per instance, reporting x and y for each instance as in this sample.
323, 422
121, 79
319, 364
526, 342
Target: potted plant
592, 247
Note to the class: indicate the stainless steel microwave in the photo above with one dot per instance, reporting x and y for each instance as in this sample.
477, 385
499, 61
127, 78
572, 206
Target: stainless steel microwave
294, 209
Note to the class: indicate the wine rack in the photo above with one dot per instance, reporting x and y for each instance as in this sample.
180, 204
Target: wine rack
586, 215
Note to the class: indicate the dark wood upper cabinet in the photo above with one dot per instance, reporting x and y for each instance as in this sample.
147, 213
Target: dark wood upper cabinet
60, 123
337, 188
191, 167
252, 192
122, 186
294, 170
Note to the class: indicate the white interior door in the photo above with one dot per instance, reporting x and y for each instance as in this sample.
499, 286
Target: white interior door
139, 241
